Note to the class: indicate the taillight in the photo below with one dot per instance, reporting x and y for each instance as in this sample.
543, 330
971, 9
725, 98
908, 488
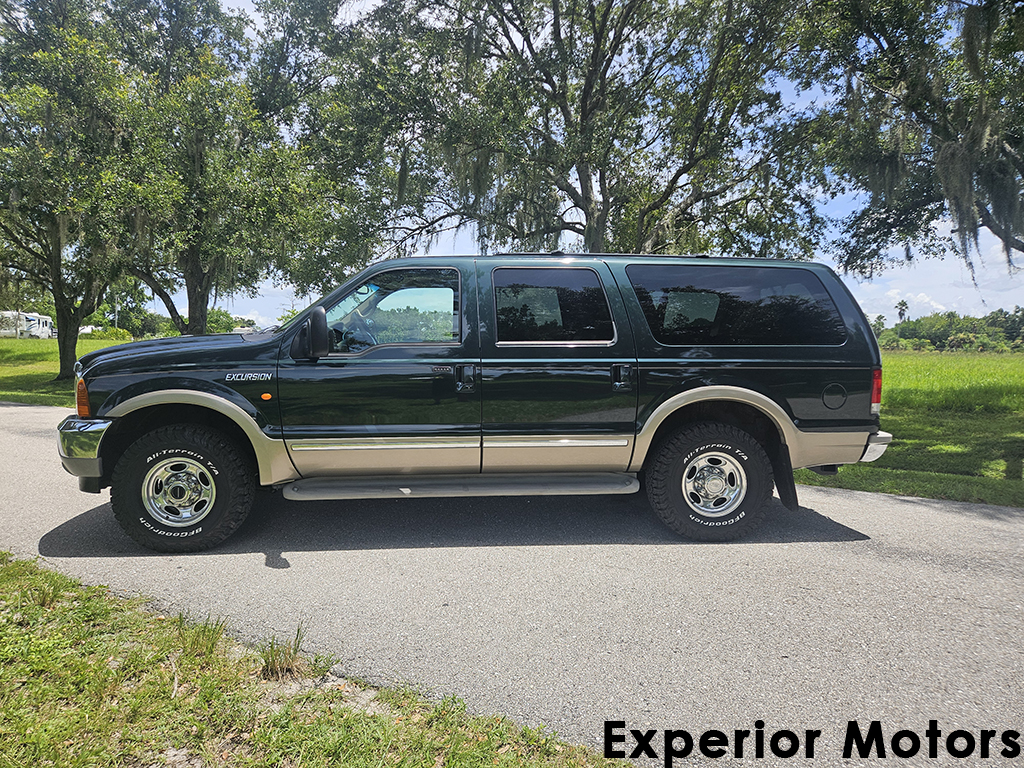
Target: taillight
876, 390
82, 399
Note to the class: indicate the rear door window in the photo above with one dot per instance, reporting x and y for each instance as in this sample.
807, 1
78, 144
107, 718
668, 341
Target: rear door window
713, 305
551, 305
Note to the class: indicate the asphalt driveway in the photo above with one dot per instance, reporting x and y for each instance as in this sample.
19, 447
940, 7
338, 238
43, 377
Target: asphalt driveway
575, 611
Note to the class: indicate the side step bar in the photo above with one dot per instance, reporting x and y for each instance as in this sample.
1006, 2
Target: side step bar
432, 486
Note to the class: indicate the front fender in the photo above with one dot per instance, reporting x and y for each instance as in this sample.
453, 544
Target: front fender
271, 455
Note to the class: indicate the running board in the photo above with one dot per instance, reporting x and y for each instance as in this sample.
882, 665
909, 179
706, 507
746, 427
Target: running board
433, 486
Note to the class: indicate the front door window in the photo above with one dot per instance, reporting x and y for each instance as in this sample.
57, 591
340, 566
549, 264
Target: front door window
403, 306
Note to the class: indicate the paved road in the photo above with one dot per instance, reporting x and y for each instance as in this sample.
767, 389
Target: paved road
574, 611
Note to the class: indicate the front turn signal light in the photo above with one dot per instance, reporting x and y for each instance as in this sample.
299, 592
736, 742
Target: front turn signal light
82, 400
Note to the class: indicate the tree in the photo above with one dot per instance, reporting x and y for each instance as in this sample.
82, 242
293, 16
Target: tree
878, 325
244, 203
66, 157
902, 308
615, 125
928, 117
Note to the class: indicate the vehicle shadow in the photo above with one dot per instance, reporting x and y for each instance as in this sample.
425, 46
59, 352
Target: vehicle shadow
277, 526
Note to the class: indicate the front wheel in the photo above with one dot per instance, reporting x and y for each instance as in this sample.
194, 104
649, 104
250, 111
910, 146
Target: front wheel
710, 482
182, 488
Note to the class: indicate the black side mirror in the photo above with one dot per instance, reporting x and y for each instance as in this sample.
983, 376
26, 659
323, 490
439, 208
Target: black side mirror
312, 341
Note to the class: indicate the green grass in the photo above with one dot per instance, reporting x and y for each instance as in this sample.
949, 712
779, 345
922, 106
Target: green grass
87, 679
953, 382
28, 368
957, 421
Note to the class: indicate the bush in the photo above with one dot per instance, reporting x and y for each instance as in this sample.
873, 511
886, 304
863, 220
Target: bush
108, 334
976, 342
920, 345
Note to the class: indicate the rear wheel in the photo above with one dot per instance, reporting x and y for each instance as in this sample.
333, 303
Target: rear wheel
710, 482
182, 488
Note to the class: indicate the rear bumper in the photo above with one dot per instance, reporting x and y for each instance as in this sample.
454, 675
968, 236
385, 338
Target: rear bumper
877, 443
78, 441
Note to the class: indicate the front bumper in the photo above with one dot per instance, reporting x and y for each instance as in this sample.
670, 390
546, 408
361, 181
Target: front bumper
79, 441
877, 443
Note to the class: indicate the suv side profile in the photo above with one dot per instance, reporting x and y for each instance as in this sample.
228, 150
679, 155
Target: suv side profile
709, 380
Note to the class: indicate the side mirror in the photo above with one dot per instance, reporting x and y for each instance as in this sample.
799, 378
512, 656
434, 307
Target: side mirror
312, 341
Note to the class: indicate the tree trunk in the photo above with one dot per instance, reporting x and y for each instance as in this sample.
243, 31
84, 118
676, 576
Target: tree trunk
67, 340
198, 305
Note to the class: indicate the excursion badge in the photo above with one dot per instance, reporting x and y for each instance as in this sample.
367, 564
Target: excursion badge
252, 376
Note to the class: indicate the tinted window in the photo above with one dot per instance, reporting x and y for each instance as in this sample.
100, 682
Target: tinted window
564, 304
735, 305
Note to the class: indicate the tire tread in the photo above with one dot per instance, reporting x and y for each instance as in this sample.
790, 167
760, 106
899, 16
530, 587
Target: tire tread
232, 462
660, 481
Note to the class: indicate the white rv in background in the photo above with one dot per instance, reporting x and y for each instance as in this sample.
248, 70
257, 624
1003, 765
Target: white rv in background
26, 325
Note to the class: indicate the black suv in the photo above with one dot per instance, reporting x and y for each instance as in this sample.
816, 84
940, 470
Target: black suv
708, 380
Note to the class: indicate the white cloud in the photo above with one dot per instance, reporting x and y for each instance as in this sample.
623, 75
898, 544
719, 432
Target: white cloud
941, 286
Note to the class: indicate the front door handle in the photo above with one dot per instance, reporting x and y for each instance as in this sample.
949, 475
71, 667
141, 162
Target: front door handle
465, 379
622, 378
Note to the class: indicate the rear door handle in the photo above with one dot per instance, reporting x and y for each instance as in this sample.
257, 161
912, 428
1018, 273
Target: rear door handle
622, 378
465, 378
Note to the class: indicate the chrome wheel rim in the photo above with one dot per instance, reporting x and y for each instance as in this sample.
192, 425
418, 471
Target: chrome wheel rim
714, 484
178, 492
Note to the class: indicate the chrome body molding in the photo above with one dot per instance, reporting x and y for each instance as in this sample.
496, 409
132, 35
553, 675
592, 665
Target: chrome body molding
338, 457
382, 444
557, 453
556, 442
877, 443
271, 455
806, 449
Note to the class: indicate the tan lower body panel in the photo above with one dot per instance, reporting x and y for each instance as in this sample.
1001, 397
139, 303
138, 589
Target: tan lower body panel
385, 456
557, 453
814, 449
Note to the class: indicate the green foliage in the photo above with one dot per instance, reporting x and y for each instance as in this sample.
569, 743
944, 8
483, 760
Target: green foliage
288, 314
878, 325
90, 680
412, 324
109, 334
283, 659
635, 125
926, 118
999, 331
66, 157
200, 640
130, 145
19, 294
220, 321
28, 368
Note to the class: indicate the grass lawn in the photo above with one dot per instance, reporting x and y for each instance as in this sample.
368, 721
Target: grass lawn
28, 367
87, 679
957, 421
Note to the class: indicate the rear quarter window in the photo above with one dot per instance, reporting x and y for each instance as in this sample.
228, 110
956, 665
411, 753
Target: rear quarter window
713, 305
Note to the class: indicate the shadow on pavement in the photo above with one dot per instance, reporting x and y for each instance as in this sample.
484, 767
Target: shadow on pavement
277, 526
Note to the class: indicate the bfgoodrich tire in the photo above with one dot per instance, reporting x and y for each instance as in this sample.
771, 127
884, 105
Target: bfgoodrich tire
182, 488
710, 482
